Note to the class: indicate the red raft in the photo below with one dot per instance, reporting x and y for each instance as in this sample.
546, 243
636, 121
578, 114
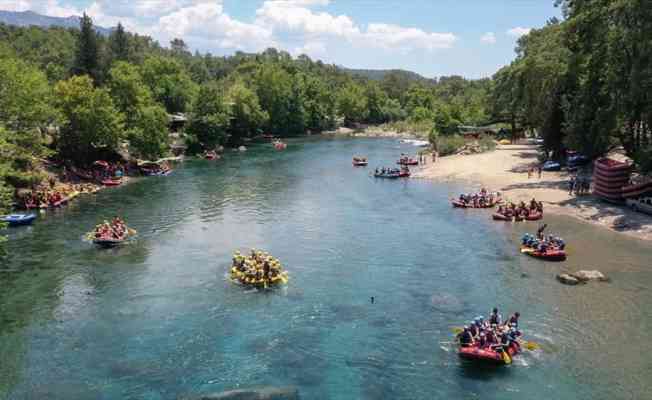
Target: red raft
112, 182
410, 161
489, 355
549, 255
460, 204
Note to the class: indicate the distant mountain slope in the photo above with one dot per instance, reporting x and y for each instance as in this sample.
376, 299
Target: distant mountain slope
379, 74
29, 18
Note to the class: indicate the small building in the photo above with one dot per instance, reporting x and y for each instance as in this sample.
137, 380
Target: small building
177, 122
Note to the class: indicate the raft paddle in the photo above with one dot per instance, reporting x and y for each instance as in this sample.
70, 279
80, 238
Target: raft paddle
506, 358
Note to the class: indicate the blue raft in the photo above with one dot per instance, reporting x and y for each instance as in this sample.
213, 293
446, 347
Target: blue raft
19, 219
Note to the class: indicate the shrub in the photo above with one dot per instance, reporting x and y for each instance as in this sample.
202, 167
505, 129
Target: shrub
447, 145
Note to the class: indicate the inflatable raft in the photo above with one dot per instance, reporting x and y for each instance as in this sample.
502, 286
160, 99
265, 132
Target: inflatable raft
108, 243
19, 219
237, 276
112, 182
388, 176
549, 255
407, 162
489, 355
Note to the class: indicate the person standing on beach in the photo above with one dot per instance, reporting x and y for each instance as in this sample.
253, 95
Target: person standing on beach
571, 185
539, 170
529, 173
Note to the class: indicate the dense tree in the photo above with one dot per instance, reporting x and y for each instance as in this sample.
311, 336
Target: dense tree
92, 124
248, 118
145, 121
87, 52
148, 135
119, 44
170, 83
352, 103
210, 120
25, 112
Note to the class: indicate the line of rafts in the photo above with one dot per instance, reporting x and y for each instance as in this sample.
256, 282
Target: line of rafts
110, 234
258, 269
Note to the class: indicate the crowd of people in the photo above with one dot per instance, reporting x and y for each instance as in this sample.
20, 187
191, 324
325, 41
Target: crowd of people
542, 242
493, 333
115, 230
257, 269
406, 160
403, 171
580, 185
55, 195
479, 200
521, 210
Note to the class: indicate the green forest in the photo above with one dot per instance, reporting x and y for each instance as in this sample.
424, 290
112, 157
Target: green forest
74, 95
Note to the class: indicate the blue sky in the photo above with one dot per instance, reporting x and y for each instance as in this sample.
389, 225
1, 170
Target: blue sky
472, 38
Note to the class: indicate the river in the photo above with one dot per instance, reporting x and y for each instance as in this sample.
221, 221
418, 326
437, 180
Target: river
158, 319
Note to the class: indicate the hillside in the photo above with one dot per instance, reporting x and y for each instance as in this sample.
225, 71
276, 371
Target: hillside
30, 18
380, 74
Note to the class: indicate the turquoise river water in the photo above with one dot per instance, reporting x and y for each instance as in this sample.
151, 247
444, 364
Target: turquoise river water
158, 318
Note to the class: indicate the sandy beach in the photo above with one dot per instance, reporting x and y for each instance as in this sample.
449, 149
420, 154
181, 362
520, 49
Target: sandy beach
505, 170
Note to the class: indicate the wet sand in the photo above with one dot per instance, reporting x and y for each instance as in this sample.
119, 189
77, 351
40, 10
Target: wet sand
506, 170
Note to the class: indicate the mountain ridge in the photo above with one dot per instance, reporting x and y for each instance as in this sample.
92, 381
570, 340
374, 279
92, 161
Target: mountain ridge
31, 18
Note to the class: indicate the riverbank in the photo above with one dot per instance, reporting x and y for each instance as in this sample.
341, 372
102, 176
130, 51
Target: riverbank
372, 131
505, 170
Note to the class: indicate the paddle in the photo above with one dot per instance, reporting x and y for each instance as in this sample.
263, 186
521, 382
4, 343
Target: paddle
506, 358
132, 231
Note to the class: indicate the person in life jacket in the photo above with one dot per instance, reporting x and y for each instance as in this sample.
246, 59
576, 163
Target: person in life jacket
465, 337
494, 318
474, 328
513, 320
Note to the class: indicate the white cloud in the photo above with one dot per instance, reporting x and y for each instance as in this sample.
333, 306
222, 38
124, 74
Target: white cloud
312, 49
518, 31
208, 23
291, 16
15, 5
300, 26
47, 7
489, 38
397, 37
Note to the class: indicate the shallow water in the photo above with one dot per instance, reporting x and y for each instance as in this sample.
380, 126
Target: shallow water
158, 319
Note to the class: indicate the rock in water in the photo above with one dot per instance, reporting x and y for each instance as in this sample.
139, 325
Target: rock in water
263, 393
567, 279
586, 276
242, 148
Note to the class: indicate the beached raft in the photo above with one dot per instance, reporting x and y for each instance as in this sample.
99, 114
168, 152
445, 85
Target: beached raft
551, 254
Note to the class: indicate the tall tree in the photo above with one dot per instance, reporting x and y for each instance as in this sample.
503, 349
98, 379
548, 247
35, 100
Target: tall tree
119, 44
87, 53
93, 126
211, 117
170, 83
248, 118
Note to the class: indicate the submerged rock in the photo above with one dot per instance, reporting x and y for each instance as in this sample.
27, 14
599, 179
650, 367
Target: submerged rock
567, 279
263, 393
592, 275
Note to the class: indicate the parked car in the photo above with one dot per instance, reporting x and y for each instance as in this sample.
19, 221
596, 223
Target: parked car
642, 204
551, 166
577, 160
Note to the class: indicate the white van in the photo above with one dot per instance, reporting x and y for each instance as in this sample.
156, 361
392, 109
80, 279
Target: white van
642, 204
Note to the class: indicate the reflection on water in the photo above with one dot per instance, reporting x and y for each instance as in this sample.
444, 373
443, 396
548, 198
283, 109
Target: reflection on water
158, 319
